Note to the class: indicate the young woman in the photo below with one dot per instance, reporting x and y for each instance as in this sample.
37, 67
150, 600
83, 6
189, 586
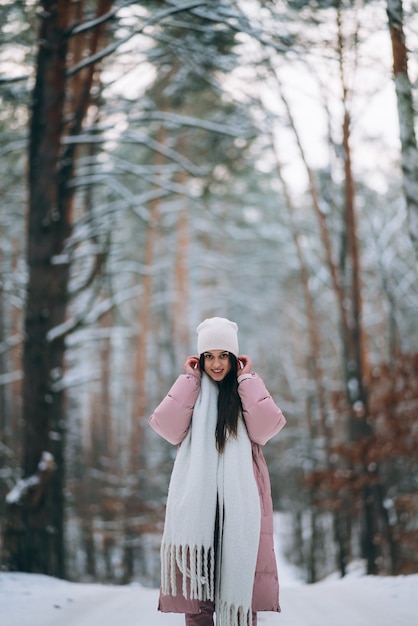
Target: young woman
217, 551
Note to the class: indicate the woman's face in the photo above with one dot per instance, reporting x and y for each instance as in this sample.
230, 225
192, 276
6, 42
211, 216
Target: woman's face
217, 364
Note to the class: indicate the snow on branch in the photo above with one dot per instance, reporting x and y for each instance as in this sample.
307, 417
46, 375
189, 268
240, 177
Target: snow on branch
10, 342
134, 137
98, 21
108, 304
93, 314
240, 23
195, 122
14, 146
11, 377
28, 491
13, 79
6, 451
114, 46
171, 154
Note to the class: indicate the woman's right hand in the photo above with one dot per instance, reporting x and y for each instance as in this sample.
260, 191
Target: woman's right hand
191, 366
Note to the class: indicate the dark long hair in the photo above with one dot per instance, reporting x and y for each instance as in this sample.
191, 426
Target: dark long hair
229, 404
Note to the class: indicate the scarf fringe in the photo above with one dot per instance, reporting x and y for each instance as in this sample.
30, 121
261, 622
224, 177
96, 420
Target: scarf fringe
230, 615
197, 566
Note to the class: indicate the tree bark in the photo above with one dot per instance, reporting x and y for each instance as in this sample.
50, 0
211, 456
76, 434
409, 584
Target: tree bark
42, 532
37, 524
180, 318
406, 116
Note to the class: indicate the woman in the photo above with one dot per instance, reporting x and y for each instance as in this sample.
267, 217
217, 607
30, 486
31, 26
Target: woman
217, 551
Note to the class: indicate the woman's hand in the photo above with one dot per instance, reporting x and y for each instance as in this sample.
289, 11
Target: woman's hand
191, 366
245, 365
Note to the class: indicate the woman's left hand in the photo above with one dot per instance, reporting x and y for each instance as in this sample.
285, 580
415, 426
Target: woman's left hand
245, 365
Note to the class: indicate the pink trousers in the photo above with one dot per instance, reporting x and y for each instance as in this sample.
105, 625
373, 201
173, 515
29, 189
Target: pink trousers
205, 617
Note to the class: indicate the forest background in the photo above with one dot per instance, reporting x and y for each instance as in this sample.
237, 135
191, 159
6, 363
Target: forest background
167, 161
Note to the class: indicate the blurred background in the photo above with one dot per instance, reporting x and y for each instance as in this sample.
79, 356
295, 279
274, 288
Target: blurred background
162, 162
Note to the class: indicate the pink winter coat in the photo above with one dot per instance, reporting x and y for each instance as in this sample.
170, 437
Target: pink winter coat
171, 419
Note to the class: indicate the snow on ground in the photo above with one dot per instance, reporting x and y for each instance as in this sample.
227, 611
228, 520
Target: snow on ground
357, 600
37, 600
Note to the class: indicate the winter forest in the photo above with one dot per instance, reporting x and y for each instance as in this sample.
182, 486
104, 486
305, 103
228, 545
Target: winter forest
162, 162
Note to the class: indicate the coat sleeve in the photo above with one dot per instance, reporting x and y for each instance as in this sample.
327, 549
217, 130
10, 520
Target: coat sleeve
171, 419
262, 416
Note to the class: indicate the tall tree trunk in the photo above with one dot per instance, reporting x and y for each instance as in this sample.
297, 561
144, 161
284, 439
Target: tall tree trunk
180, 318
42, 531
342, 515
406, 116
354, 363
3, 367
347, 289
355, 352
315, 370
314, 332
360, 430
144, 322
140, 396
38, 532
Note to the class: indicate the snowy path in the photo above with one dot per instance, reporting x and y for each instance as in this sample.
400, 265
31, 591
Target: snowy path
32, 600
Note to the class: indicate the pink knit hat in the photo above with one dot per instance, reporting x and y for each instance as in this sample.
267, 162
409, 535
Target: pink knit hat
217, 333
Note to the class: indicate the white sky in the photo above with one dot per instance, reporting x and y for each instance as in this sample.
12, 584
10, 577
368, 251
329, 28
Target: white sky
306, 81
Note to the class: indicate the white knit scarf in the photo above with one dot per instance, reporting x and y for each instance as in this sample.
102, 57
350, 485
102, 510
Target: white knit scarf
201, 478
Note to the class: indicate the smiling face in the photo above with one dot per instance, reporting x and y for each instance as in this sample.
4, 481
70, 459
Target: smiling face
217, 364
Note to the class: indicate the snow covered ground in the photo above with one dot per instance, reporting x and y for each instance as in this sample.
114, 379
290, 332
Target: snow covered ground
357, 600
36, 600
